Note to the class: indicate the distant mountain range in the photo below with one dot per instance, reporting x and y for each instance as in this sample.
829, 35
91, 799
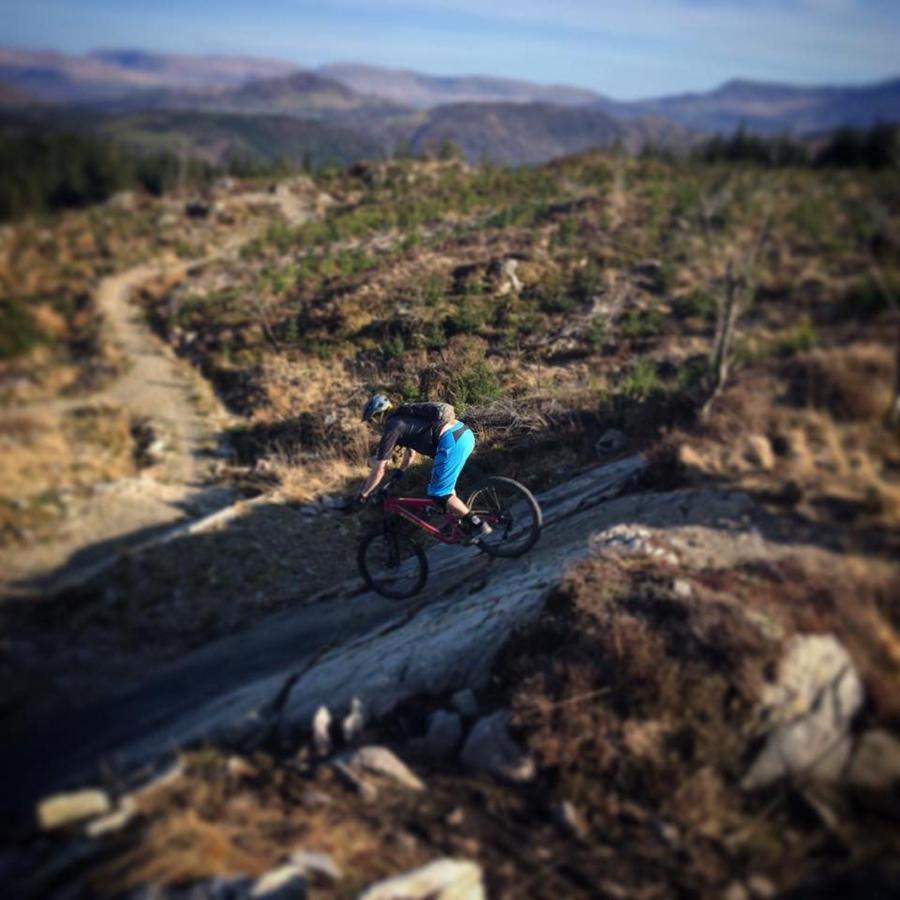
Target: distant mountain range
413, 89
60, 78
771, 108
362, 108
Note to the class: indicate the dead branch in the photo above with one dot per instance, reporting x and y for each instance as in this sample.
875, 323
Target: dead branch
739, 289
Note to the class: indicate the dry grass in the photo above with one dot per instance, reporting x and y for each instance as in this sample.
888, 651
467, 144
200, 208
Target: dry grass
229, 816
42, 458
852, 383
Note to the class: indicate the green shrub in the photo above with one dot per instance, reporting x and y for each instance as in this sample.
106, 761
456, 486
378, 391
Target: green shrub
798, 339
642, 381
642, 324
433, 290
478, 385
586, 282
281, 236
692, 373
19, 332
594, 335
465, 319
435, 336
567, 232
866, 299
554, 296
394, 346
530, 324
698, 304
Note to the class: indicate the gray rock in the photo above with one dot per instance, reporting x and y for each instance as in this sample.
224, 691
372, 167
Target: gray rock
444, 734
68, 809
321, 731
113, 822
381, 761
761, 887
809, 708
682, 589
465, 703
876, 762
443, 879
490, 748
284, 883
354, 722
611, 441
571, 820
367, 791
313, 863
736, 891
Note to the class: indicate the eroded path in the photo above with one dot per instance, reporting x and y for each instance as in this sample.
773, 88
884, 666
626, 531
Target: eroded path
156, 388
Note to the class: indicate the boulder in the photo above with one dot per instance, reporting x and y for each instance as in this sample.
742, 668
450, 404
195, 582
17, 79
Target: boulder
503, 272
443, 879
61, 810
284, 883
443, 736
315, 864
354, 721
114, 821
808, 709
611, 441
490, 748
366, 791
465, 703
875, 764
381, 761
758, 452
321, 731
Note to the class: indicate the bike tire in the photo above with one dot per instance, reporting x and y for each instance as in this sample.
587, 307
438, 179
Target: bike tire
495, 498
378, 572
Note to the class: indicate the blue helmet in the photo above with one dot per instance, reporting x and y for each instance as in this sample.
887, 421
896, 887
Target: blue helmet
376, 408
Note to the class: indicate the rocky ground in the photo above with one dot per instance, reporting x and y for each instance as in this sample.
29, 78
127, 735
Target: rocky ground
704, 704
688, 688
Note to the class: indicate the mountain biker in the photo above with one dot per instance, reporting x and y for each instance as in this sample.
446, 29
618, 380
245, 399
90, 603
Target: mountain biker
450, 444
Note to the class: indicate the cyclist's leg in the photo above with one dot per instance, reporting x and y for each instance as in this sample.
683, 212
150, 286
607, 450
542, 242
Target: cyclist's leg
454, 449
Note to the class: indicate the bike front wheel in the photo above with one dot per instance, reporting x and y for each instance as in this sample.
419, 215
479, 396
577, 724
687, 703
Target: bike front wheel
511, 511
392, 564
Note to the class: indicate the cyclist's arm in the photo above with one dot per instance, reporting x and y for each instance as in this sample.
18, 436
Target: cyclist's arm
375, 477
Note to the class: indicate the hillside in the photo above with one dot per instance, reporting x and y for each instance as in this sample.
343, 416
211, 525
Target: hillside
517, 133
187, 71
687, 687
770, 108
421, 91
300, 94
219, 137
63, 78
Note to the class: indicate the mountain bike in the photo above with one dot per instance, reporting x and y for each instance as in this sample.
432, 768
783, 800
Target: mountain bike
393, 563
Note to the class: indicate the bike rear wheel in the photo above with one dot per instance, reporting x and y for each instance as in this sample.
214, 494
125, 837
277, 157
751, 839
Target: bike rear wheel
513, 513
392, 564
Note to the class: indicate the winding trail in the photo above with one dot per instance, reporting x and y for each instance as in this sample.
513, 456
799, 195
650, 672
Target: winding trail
156, 387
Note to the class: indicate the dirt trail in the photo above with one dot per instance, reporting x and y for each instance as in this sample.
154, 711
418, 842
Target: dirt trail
162, 390
156, 387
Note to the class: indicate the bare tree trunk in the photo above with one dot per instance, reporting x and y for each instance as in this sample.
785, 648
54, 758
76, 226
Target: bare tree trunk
740, 285
264, 322
725, 324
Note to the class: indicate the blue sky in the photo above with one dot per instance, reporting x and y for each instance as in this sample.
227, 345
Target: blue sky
623, 49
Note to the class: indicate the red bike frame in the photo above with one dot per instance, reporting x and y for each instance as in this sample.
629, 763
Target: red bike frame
406, 508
